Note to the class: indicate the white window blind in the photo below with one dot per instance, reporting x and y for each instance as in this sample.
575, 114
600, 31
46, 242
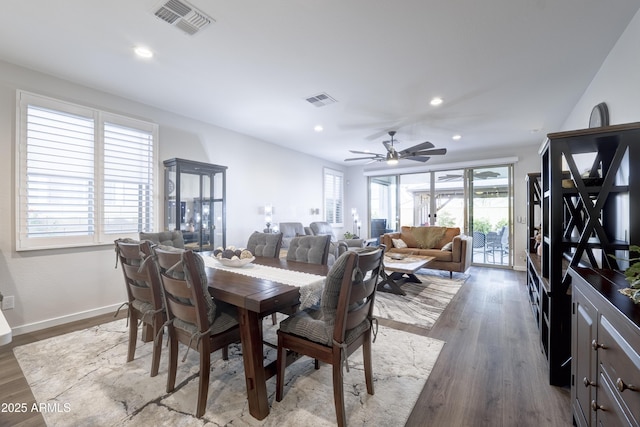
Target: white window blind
333, 197
85, 176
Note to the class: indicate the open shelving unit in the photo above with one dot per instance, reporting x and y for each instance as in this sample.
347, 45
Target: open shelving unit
589, 193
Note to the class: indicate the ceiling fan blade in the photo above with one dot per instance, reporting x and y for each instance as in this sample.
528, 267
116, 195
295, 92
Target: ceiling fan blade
368, 153
361, 158
434, 152
425, 145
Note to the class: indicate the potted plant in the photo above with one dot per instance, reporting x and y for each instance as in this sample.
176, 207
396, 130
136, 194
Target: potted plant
632, 274
348, 235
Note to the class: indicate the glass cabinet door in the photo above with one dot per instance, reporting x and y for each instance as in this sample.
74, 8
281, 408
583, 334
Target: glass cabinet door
195, 202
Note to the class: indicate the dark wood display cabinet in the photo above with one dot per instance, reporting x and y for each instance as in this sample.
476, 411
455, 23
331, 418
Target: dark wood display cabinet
537, 285
605, 346
195, 202
590, 192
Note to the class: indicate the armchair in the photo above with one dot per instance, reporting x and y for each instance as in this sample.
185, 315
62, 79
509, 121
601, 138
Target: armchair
336, 248
290, 230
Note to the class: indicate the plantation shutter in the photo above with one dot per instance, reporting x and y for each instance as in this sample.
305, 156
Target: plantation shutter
333, 197
60, 174
128, 179
85, 175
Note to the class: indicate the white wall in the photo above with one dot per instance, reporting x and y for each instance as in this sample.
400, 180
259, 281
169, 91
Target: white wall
56, 286
617, 83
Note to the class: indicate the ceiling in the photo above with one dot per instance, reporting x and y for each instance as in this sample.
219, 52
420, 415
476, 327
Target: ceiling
509, 71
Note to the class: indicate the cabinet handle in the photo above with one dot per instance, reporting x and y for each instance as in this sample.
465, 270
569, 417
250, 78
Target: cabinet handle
622, 386
587, 382
596, 346
595, 406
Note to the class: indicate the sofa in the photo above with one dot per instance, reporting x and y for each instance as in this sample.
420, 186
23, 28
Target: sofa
451, 249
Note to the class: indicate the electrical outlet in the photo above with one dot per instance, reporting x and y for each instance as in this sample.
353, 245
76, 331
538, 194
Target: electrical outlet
8, 302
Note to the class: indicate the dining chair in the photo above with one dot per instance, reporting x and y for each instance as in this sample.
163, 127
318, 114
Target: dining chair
144, 296
340, 325
167, 238
310, 249
194, 318
266, 245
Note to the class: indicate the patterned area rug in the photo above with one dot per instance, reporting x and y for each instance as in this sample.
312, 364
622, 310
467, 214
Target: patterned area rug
424, 302
83, 379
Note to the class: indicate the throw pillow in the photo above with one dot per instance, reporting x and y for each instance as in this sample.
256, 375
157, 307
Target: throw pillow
448, 247
399, 243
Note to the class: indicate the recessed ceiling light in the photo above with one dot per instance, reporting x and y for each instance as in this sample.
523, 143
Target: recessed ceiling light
436, 101
318, 128
143, 52
456, 137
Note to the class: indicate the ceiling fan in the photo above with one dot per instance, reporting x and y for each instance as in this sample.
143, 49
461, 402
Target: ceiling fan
420, 152
477, 175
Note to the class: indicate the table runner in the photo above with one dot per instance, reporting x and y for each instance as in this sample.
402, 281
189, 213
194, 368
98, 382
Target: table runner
310, 284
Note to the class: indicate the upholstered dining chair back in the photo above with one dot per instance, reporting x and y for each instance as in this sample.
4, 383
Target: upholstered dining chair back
290, 230
144, 296
265, 244
195, 319
310, 249
342, 323
166, 238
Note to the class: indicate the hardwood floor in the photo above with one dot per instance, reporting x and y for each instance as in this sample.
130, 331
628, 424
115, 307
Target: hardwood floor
491, 371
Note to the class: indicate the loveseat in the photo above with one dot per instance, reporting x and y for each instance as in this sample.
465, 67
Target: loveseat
452, 250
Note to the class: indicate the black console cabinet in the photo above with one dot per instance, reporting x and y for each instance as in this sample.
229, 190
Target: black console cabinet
590, 208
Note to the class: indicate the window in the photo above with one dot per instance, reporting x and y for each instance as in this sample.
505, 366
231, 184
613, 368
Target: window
86, 177
333, 197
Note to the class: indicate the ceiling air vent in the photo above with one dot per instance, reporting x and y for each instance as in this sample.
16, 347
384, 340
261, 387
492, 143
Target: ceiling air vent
320, 100
183, 16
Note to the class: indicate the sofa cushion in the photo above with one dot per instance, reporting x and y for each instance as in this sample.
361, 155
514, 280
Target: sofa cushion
423, 237
447, 247
449, 234
399, 243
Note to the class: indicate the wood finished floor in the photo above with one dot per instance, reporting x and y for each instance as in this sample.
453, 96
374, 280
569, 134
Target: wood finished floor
491, 371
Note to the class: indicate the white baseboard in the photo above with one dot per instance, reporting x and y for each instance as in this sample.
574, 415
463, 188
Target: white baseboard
37, 326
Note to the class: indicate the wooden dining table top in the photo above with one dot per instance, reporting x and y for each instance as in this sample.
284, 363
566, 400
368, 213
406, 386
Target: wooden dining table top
256, 294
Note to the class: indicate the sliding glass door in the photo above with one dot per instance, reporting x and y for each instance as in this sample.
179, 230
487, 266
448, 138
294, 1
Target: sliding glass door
490, 210
477, 200
383, 206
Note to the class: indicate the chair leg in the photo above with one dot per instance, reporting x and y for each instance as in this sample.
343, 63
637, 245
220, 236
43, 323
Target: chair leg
173, 360
368, 365
281, 364
157, 344
338, 392
203, 386
225, 352
133, 333
274, 319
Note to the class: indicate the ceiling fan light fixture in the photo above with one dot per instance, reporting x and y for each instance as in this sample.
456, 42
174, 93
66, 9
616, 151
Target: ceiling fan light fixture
392, 158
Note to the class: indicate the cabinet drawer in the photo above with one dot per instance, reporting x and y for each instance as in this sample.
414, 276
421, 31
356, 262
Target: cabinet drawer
608, 410
620, 362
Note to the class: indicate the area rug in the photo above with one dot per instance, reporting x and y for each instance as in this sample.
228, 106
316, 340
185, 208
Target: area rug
424, 302
83, 380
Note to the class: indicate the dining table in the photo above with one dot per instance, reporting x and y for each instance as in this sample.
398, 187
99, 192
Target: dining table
256, 296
